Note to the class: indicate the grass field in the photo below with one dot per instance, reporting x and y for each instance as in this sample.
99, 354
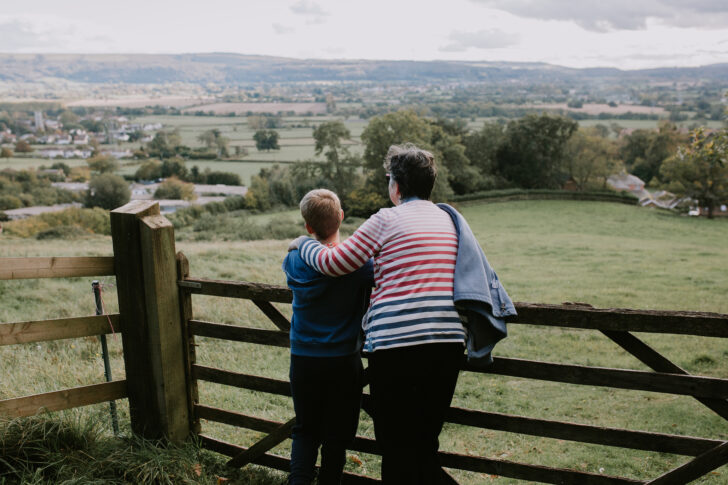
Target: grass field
609, 255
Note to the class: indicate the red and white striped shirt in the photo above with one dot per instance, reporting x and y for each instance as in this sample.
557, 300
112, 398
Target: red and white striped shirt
414, 246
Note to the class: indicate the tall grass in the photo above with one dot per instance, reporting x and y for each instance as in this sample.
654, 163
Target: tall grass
47, 450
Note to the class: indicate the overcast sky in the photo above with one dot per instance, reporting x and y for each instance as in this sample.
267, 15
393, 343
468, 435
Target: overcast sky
580, 33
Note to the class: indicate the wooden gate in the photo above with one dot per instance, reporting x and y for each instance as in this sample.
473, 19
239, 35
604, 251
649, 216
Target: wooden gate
617, 324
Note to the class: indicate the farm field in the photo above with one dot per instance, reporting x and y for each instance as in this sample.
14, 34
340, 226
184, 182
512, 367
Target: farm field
608, 255
634, 124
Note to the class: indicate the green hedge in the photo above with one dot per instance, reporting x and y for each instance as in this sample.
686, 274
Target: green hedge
545, 194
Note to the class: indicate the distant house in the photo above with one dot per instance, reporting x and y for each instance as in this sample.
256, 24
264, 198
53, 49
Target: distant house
64, 140
80, 139
626, 182
570, 185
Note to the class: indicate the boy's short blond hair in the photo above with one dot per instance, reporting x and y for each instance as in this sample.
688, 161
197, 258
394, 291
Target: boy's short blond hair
321, 209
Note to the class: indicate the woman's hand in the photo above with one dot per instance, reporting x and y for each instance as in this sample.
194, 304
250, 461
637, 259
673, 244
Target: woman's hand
296, 243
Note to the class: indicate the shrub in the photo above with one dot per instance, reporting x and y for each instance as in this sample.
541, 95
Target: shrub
62, 232
23, 147
94, 221
10, 202
174, 188
149, 170
103, 164
107, 191
6, 152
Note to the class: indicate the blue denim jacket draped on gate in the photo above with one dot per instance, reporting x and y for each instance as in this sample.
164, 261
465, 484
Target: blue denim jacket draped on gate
480, 299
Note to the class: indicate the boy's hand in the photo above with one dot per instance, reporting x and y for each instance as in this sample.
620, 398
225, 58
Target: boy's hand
296, 243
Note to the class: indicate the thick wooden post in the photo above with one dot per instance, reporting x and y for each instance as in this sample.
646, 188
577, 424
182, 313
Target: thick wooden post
146, 278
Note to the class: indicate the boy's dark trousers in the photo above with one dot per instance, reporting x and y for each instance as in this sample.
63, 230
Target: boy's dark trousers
411, 389
327, 398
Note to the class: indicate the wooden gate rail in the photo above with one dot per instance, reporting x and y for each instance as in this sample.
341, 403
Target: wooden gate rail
639, 440
24, 268
65, 399
58, 329
451, 460
616, 324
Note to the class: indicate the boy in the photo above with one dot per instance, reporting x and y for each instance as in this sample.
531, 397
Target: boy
326, 369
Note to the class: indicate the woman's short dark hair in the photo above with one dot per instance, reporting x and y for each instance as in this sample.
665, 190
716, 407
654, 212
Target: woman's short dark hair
413, 169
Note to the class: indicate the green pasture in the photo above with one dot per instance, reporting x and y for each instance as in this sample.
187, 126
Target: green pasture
605, 254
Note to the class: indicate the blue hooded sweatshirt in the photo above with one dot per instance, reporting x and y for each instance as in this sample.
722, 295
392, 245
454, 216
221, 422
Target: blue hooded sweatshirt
327, 311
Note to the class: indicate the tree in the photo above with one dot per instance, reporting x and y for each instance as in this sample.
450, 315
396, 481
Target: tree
107, 191
165, 144
481, 148
103, 164
700, 170
69, 120
395, 129
174, 167
266, 140
174, 188
214, 139
590, 159
6, 152
644, 150
149, 170
62, 166
23, 147
340, 166
532, 153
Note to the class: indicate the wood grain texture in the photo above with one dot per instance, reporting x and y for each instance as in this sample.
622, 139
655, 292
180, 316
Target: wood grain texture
694, 469
572, 316
274, 461
235, 333
238, 289
190, 350
65, 399
126, 239
622, 319
167, 377
65, 267
57, 329
265, 444
698, 386
654, 360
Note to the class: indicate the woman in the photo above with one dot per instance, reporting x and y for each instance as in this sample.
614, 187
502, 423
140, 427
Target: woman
414, 336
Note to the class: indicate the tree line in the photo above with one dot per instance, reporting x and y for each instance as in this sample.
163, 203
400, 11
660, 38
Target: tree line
534, 152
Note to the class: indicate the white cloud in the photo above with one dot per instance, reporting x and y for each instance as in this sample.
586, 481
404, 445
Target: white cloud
483, 39
282, 29
312, 11
605, 16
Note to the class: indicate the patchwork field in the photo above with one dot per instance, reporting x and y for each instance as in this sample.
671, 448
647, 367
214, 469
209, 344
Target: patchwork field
609, 255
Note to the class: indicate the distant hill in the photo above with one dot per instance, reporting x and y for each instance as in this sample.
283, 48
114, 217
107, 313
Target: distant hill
243, 69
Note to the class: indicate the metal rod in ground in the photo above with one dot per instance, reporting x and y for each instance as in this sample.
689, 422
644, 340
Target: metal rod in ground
105, 354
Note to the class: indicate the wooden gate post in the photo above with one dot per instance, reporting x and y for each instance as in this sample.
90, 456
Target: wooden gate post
146, 279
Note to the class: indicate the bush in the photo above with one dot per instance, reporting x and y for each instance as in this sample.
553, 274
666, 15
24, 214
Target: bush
62, 232
174, 188
6, 152
107, 191
149, 170
10, 202
103, 164
94, 221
